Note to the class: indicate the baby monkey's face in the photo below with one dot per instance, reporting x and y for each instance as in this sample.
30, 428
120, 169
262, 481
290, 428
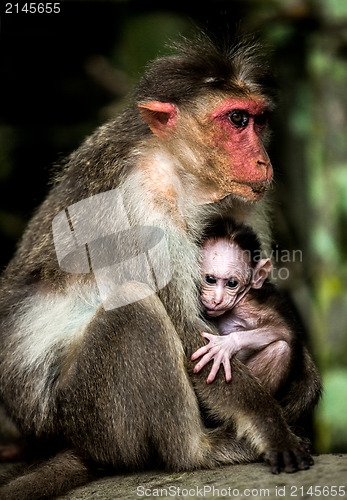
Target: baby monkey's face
226, 271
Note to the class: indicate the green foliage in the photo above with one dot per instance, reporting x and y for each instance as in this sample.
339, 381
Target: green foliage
332, 411
334, 9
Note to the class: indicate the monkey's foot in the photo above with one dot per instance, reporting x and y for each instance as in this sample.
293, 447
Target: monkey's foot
289, 460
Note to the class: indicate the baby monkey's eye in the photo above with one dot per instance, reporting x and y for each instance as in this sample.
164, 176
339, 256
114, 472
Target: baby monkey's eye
210, 280
232, 283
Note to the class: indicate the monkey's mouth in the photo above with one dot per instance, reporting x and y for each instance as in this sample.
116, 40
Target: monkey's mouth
259, 187
213, 312
251, 191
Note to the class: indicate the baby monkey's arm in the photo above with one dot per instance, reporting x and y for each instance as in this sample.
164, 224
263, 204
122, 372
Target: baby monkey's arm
244, 345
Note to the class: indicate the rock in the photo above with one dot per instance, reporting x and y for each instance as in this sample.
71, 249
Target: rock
327, 479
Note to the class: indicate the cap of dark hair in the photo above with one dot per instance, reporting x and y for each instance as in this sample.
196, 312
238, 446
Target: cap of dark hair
240, 234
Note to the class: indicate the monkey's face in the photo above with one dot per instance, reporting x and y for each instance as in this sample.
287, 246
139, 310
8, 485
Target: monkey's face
238, 132
226, 271
218, 143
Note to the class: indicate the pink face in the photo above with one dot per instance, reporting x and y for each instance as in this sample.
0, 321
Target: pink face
240, 128
227, 137
226, 272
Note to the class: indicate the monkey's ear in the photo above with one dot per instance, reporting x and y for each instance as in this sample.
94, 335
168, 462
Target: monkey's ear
261, 272
159, 116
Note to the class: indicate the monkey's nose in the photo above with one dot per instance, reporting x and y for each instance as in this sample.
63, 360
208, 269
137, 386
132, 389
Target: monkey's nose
217, 300
262, 164
265, 165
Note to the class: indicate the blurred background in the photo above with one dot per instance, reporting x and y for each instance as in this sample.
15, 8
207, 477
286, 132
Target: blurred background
62, 75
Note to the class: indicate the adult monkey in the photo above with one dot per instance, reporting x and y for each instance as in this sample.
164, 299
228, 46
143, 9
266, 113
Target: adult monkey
114, 385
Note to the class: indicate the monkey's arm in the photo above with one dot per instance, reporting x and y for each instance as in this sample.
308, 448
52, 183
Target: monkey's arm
242, 343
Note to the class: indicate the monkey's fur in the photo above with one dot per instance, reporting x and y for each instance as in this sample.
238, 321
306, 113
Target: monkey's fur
115, 388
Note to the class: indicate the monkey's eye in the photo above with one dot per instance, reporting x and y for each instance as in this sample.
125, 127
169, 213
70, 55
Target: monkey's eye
232, 283
261, 120
239, 118
210, 280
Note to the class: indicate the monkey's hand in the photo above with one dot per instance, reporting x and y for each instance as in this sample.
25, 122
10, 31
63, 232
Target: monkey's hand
221, 349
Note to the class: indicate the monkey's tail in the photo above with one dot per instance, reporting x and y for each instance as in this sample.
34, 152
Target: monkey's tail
48, 479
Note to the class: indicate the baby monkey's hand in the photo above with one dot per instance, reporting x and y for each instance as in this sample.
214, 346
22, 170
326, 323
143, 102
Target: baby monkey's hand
221, 349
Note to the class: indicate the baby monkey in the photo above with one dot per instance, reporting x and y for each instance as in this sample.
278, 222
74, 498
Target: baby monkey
253, 323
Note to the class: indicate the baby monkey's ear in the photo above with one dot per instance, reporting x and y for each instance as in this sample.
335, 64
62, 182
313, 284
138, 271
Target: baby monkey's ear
261, 272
